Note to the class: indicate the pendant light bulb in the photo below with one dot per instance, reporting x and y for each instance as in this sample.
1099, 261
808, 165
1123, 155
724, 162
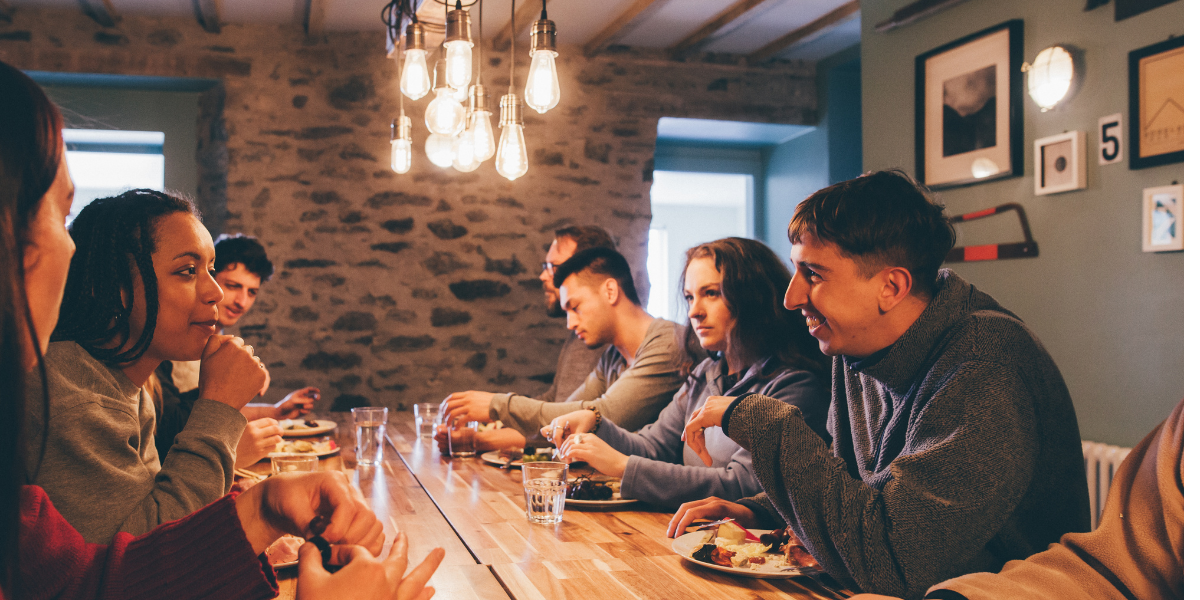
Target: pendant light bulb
414, 75
444, 115
460, 95
464, 152
480, 127
440, 149
512, 160
458, 46
402, 144
541, 87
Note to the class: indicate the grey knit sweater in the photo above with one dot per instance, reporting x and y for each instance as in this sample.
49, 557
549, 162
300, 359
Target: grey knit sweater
101, 468
954, 450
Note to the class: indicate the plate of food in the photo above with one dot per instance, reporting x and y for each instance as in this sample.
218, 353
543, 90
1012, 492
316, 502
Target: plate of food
519, 456
303, 427
758, 553
321, 447
285, 552
596, 491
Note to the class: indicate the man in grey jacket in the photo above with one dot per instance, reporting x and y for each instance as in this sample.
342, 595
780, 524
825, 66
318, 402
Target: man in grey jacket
575, 360
634, 379
955, 444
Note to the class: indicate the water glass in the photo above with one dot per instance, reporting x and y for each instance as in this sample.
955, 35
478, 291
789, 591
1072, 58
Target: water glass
369, 422
462, 438
545, 491
427, 419
293, 464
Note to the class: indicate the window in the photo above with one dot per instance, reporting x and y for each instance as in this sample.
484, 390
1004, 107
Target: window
107, 162
689, 209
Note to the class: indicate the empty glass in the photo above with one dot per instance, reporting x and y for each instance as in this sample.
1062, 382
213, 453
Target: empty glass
369, 422
545, 491
462, 438
293, 464
427, 419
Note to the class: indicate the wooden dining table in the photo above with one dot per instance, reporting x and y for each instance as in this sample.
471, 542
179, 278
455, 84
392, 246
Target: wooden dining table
476, 512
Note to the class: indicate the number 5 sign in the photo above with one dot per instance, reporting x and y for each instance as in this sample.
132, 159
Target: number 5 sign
1112, 143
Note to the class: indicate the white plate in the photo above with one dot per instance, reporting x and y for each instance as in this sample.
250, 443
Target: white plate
318, 453
301, 430
493, 458
687, 543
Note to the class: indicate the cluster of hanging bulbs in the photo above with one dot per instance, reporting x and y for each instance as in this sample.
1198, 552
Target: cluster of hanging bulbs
461, 137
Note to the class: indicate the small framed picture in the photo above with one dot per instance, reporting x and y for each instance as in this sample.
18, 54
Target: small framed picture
1060, 163
1162, 218
969, 111
1156, 104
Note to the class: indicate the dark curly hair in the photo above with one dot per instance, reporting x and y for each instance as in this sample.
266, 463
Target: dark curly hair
600, 262
238, 248
880, 219
111, 235
753, 284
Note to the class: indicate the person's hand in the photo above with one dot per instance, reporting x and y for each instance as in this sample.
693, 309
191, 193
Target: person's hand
266, 384
595, 451
708, 415
469, 406
498, 439
287, 503
365, 577
580, 421
229, 371
258, 440
299, 402
712, 508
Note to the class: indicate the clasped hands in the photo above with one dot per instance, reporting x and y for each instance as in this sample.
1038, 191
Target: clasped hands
571, 434
288, 503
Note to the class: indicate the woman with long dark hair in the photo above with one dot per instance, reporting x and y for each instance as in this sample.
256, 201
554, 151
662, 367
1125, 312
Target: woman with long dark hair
209, 554
734, 290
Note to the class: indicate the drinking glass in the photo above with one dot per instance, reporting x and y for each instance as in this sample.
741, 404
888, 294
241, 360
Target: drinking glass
545, 491
370, 422
427, 419
462, 438
293, 464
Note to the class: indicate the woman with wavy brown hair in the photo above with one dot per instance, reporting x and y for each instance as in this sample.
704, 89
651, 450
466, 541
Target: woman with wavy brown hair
734, 290
212, 553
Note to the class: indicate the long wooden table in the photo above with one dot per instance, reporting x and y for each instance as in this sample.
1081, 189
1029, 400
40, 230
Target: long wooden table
476, 512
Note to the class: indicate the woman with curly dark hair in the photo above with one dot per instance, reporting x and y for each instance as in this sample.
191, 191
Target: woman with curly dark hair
211, 553
734, 290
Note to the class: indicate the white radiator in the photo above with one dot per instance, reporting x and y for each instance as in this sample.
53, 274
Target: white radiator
1102, 461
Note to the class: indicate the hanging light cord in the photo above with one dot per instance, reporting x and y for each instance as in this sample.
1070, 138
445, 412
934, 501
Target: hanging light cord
544, 17
512, 49
479, 67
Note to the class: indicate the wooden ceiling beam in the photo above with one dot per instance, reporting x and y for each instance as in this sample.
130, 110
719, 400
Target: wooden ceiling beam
601, 40
527, 13
314, 18
823, 22
208, 14
100, 11
707, 30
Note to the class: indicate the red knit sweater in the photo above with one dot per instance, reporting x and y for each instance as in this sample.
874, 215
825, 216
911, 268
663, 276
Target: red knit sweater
203, 555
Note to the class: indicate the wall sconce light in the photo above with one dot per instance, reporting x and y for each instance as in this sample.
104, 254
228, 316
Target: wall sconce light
1051, 76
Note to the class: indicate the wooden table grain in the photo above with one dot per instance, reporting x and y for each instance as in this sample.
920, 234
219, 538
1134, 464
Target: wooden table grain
401, 504
609, 555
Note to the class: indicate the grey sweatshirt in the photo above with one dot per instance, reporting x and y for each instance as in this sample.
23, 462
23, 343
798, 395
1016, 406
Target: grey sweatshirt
101, 468
954, 450
664, 471
630, 394
575, 362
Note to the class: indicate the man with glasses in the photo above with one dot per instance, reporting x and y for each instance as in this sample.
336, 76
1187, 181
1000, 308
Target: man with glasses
575, 359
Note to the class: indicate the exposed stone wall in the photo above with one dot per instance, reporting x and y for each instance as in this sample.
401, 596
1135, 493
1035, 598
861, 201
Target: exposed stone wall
401, 288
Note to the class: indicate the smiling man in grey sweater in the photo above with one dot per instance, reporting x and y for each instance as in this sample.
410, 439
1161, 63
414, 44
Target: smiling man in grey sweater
955, 444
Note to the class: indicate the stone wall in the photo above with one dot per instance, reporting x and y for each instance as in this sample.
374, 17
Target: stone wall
402, 288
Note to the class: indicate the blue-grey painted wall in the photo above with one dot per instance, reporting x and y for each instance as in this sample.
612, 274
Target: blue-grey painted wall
1111, 315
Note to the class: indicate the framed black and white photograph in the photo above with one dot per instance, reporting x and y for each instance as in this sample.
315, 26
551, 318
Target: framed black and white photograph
969, 113
1162, 218
1156, 104
1059, 163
